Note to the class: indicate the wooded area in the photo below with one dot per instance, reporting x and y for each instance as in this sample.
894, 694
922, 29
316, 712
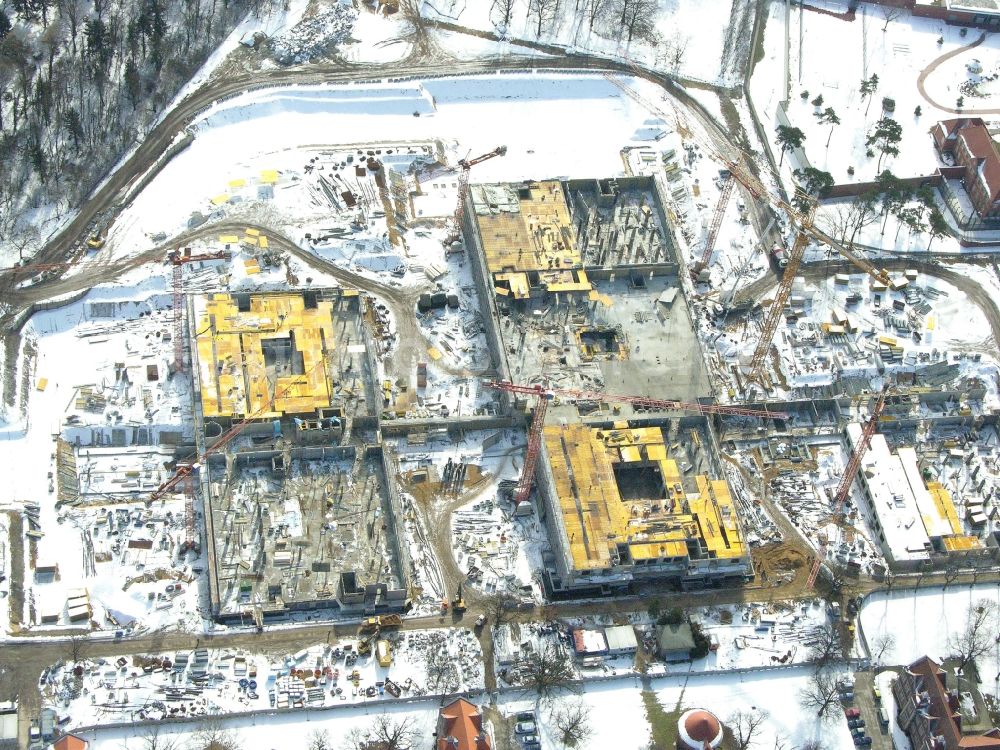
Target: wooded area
81, 81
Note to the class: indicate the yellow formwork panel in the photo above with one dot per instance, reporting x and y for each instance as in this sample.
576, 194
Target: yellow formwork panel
269, 176
960, 543
234, 375
945, 505
539, 237
597, 519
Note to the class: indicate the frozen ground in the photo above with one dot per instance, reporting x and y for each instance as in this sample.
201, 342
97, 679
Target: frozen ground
272, 730
897, 55
242, 138
712, 47
923, 621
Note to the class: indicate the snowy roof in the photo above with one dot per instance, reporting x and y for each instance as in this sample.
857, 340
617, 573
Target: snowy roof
621, 638
699, 729
891, 498
589, 642
934, 519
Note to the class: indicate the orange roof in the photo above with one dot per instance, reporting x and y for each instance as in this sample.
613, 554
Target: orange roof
70, 742
460, 727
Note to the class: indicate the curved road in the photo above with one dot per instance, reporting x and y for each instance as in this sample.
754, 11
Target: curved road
934, 64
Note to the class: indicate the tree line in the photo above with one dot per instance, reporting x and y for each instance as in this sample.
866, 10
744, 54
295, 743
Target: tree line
81, 81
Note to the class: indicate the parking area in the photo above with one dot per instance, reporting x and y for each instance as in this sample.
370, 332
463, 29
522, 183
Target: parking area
869, 704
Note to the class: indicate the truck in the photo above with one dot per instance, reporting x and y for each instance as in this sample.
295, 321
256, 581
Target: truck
780, 255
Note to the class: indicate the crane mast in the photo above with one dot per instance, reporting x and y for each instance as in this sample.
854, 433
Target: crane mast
844, 488
454, 232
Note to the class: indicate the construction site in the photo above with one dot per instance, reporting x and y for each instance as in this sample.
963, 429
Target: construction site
298, 515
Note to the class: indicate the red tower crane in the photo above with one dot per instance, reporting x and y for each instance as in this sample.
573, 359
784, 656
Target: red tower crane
545, 395
178, 259
844, 488
455, 223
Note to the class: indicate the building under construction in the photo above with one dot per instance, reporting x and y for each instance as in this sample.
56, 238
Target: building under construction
626, 502
582, 281
300, 512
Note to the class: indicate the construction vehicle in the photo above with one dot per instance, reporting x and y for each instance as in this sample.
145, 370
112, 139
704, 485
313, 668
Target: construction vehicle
365, 644
847, 480
545, 395
95, 242
458, 603
381, 622
454, 230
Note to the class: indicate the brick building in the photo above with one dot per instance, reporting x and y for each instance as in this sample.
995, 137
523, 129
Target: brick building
968, 141
930, 711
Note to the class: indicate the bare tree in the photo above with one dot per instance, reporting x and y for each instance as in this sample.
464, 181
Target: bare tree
74, 648
440, 669
572, 720
977, 636
883, 645
549, 672
544, 12
821, 693
595, 10
675, 50
890, 14
501, 14
812, 745
746, 726
825, 649
499, 608
152, 738
384, 733
319, 739
638, 18
212, 734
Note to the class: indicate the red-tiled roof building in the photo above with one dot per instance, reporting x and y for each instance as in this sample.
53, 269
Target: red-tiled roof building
972, 147
928, 711
460, 727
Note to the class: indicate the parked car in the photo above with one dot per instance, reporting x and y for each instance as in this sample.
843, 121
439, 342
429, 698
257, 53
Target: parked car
854, 723
525, 727
529, 739
525, 716
862, 741
858, 732
532, 746
846, 696
852, 713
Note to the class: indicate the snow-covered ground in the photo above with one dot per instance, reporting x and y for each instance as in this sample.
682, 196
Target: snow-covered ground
896, 53
685, 36
263, 731
923, 621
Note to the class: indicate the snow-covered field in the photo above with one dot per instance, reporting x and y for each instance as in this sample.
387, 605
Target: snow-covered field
923, 621
698, 28
896, 53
